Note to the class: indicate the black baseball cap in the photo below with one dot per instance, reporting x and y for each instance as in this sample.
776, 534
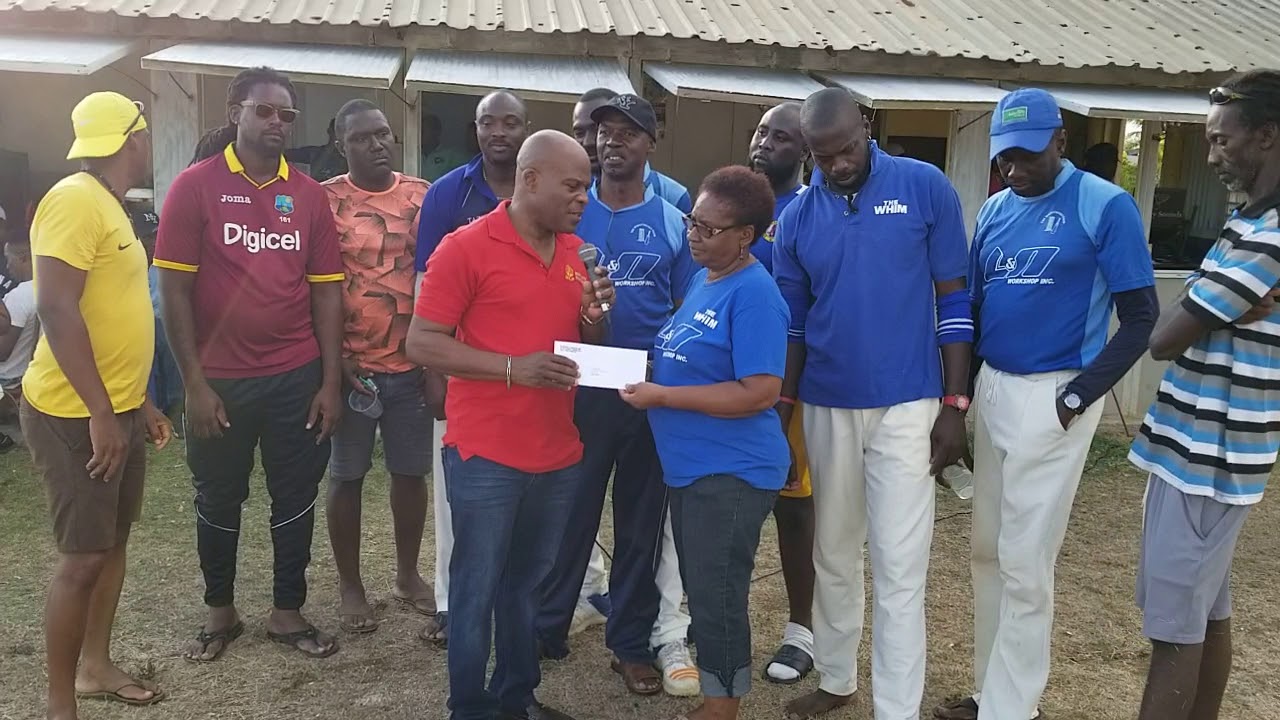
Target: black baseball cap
636, 109
145, 222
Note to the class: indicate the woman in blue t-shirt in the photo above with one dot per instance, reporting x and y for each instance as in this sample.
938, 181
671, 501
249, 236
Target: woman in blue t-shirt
717, 373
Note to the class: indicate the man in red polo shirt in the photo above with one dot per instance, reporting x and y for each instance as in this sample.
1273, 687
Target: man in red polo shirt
250, 277
508, 286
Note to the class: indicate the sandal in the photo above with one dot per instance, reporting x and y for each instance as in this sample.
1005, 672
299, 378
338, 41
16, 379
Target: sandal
6, 443
437, 631
226, 637
639, 679
294, 640
360, 623
966, 708
114, 695
792, 657
421, 605
357, 623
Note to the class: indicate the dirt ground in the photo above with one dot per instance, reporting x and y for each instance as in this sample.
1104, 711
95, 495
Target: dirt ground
1099, 655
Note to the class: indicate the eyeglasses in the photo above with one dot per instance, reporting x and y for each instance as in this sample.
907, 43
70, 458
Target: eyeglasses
705, 231
267, 110
1222, 96
141, 108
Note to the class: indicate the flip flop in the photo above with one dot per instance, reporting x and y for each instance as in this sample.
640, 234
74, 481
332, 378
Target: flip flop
633, 674
966, 708
206, 639
353, 628
792, 657
422, 606
294, 640
439, 626
114, 695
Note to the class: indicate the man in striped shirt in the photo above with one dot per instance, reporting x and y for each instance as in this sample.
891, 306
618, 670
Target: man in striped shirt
1211, 437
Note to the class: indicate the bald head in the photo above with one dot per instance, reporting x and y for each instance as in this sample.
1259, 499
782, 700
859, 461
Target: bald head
501, 102
828, 107
777, 148
833, 127
502, 124
552, 177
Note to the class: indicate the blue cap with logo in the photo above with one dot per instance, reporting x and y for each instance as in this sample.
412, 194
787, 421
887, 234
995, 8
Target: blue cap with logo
1025, 119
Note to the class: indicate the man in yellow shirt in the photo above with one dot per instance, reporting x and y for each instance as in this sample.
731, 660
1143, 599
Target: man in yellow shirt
84, 412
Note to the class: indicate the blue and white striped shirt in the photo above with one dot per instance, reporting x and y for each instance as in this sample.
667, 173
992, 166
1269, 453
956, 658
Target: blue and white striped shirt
1214, 428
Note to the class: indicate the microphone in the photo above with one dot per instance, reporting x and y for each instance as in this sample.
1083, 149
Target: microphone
590, 256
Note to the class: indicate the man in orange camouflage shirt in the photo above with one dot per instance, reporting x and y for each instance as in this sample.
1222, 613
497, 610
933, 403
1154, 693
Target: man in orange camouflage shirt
376, 210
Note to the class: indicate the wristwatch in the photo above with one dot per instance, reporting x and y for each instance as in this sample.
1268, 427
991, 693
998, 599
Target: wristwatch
959, 402
1073, 402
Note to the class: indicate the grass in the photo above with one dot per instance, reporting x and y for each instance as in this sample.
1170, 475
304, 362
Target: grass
1099, 655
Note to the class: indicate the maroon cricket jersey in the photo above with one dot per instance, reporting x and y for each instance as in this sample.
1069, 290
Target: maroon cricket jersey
255, 250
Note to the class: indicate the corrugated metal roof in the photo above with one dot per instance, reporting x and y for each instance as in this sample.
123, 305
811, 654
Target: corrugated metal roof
900, 92
333, 64
536, 77
1128, 103
1170, 35
60, 54
733, 84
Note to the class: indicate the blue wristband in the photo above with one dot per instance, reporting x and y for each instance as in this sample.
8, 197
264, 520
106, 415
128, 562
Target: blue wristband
955, 318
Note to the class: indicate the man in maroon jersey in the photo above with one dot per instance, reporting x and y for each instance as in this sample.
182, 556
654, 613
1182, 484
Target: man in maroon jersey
250, 278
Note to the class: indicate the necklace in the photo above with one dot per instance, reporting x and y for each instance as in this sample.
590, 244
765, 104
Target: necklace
98, 176
485, 174
738, 265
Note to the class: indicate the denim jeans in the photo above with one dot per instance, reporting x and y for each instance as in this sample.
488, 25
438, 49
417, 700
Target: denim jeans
507, 527
617, 443
717, 522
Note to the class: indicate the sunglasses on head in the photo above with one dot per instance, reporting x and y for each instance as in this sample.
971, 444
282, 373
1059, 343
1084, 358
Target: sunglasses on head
136, 120
267, 110
1222, 96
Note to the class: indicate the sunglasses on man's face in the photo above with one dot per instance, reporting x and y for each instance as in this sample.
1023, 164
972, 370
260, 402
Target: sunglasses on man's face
141, 108
266, 110
1222, 96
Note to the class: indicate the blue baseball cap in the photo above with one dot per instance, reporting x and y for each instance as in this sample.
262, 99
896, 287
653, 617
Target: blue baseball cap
1025, 119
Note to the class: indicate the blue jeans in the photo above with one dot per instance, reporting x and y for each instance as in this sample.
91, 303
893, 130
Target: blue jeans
617, 443
507, 526
165, 384
716, 522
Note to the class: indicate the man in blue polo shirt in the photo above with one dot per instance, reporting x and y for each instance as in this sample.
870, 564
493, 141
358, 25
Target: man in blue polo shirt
584, 130
1053, 253
593, 603
462, 195
642, 242
872, 264
778, 152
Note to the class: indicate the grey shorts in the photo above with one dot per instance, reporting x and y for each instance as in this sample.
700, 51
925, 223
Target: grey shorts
1184, 568
406, 432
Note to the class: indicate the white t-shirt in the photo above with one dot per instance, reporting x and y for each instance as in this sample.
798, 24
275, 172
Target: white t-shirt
21, 303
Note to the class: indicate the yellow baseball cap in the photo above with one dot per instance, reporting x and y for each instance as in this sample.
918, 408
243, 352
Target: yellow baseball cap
102, 122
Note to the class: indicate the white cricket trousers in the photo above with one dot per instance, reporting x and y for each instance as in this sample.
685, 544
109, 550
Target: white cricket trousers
871, 484
1026, 472
673, 622
443, 519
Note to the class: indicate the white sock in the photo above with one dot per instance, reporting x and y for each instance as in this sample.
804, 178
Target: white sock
797, 636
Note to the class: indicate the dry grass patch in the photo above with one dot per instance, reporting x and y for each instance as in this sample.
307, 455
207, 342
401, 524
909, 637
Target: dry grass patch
1099, 656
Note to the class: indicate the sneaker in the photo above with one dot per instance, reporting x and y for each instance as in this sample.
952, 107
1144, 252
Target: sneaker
585, 616
679, 674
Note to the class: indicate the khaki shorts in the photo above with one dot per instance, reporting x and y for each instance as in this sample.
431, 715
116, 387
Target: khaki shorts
795, 437
89, 515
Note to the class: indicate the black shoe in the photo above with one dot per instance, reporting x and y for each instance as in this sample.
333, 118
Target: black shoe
552, 651
536, 711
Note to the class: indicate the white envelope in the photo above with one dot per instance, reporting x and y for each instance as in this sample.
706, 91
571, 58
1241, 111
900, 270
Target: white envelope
605, 367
